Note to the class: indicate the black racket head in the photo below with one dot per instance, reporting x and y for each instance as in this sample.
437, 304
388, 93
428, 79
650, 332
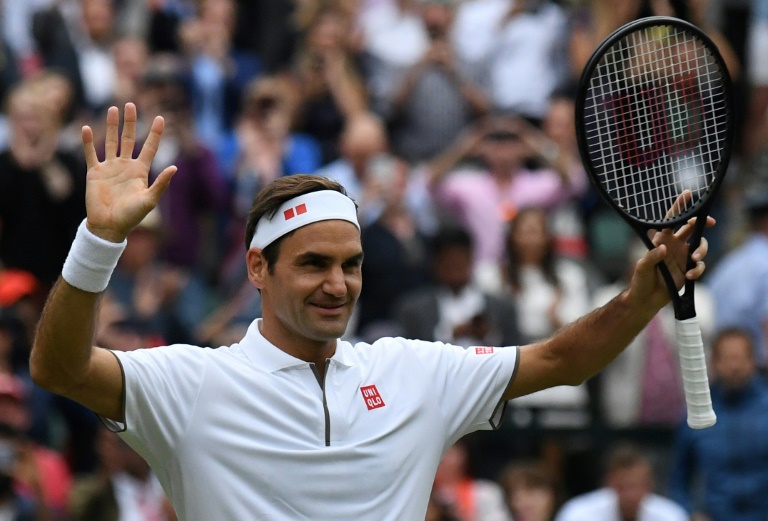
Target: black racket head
654, 117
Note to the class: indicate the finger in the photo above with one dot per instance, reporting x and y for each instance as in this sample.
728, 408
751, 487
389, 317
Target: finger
149, 149
687, 229
128, 140
91, 159
680, 204
113, 121
161, 183
701, 251
651, 258
696, 272
659, 236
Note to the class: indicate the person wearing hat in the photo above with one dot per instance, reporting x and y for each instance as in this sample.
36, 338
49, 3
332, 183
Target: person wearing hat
291, 422
739, 282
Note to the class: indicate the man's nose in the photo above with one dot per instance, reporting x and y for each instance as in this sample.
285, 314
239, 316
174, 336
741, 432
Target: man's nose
335, 282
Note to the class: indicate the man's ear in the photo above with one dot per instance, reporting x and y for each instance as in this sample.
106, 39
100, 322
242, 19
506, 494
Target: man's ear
257, 267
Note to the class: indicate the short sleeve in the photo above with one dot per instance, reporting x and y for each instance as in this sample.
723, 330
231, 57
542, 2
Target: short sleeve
161, 389
470, 383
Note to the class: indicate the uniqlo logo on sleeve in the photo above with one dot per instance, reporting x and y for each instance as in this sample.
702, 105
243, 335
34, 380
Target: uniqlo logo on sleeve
372, 397
484, 350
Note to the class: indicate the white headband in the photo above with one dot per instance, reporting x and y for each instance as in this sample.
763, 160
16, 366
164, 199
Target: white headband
301, 211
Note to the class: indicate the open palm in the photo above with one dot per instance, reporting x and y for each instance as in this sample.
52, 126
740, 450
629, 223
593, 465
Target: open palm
118, 195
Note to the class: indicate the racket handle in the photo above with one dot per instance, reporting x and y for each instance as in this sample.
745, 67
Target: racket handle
693, 366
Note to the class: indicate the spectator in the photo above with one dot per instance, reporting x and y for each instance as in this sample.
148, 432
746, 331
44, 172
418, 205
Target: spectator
439, 510
124, 487
218, 71
76, 38
531, 493
203, 199
642, 387
332, 91
483, 198
265, 145
45, 474
739, 300
14, 506
394, 39
472, 499
548, 292
400, 263
730, 457
756, 130
596, 19
454, 309
42, 190
558, 139
171, 300
522, 50
627, 494
364, 137
131, 57
437, 96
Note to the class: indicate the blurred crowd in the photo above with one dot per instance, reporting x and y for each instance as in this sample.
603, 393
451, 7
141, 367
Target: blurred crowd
451, 124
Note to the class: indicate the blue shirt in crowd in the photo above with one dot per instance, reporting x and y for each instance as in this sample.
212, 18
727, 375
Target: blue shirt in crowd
730, 460
740, 300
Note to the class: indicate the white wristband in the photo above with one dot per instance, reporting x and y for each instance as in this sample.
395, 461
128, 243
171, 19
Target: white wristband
91, 261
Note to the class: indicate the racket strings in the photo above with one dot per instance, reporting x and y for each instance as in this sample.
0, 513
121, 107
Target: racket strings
655, 121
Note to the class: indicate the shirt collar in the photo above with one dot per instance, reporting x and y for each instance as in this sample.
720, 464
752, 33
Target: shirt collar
271, 358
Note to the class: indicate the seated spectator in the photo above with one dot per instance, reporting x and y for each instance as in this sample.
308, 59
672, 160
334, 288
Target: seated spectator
45, 474
550, 291
642, 387
439, 510
363, 138
740, 300
13, 505
398, 262
201, 199
454, 309
123, 488
171, 300
627, 494
531, 493
730, 459
472, 499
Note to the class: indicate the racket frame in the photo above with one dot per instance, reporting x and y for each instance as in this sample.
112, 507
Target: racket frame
682, 302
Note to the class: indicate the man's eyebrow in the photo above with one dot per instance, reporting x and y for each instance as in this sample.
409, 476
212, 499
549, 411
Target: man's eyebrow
358, 259
314, 256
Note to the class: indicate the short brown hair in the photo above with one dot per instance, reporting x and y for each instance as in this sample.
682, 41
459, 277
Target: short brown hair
272, 196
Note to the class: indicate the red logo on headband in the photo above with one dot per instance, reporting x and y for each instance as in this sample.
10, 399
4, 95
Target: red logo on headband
290, 213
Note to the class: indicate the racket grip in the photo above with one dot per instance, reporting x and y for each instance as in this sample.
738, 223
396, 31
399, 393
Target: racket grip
693, 366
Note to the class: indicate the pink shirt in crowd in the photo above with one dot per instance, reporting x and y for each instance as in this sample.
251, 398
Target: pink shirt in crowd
484, 207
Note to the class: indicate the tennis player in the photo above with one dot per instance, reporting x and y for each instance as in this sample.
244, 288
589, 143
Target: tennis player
292, 423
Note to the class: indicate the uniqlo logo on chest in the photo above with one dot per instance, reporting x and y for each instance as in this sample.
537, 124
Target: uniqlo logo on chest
484, 350
372, 397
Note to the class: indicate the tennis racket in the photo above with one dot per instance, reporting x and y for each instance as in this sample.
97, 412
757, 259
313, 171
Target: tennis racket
654, 125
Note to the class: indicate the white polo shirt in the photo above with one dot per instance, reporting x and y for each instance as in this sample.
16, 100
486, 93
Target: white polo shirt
247, 431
